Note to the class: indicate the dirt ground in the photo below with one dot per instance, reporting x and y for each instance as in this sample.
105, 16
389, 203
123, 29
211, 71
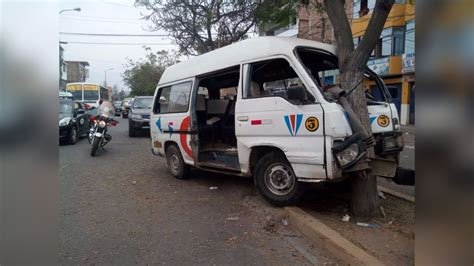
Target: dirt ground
392, 241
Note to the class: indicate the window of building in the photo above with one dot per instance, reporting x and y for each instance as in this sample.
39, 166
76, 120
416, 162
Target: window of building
391, 42
410, 37
356, 41
174, 99
361, 8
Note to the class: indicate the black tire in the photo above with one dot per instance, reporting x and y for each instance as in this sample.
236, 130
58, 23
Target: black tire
72, 138
176, 164
95, 146
280, 188
124, 116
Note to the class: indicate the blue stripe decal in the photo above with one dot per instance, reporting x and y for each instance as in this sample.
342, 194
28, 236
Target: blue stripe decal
298, 122
372, 119
287, 120
158, 124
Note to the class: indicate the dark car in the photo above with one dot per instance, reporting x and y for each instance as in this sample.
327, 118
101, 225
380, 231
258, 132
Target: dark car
118, 107
73, 121
139, 115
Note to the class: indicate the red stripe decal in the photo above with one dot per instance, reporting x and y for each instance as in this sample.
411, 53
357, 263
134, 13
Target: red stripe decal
292, 118
256, 122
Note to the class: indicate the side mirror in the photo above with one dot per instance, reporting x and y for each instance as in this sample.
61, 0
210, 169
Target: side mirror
80, 111
297, 93
163, 99
393, 91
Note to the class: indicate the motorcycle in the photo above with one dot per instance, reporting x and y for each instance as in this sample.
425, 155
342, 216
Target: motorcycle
98, 135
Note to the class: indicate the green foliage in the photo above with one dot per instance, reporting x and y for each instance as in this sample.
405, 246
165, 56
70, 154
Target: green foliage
143, 75
280, 13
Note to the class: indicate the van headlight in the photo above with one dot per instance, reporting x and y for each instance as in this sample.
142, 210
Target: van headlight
64, 121
102, 124
348, 155
349, 151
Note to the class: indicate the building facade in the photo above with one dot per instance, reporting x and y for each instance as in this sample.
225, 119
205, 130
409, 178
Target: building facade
394, 55
77, 71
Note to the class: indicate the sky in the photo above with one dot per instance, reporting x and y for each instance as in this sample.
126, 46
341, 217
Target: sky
107, 17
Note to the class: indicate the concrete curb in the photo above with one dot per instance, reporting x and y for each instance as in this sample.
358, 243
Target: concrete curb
335, 243
396, 194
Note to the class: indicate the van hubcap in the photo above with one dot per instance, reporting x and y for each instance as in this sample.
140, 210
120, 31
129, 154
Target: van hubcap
174, 162
279, 179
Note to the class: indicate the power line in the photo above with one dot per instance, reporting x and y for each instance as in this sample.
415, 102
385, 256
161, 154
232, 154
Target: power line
114, 34
108, 43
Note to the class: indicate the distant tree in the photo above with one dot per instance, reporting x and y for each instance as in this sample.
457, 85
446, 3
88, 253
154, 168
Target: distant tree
199, 26
121, 94
142, 76
115, 92
352, 64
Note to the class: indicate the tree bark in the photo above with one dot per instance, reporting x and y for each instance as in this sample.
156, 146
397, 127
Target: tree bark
352, 64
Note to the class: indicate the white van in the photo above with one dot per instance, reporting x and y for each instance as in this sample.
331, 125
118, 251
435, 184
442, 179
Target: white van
256, 108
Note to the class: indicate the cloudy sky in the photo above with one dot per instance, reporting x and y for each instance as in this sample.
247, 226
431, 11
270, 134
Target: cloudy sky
106, 17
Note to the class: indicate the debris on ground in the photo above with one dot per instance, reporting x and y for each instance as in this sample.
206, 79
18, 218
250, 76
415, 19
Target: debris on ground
213, 188
383, 212
233, 218
381, 195
134, 182
284, 222
270, 224
368, 225
346, 218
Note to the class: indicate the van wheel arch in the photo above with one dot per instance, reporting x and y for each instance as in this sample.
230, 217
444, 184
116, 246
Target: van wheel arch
168, 144
258, 152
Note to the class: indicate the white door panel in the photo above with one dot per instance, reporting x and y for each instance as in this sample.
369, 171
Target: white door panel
273, 121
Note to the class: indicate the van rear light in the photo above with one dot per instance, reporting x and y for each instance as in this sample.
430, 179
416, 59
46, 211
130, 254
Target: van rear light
256, 122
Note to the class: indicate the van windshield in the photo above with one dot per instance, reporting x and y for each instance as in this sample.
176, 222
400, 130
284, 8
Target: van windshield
323, 68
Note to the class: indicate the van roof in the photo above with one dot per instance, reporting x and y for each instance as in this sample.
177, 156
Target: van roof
234, 54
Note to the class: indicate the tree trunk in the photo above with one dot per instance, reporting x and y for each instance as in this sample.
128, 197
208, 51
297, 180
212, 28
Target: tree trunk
364, 185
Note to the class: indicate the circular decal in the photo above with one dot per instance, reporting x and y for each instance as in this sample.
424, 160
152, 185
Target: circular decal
81, 121
311, 124
383, 120
184, 137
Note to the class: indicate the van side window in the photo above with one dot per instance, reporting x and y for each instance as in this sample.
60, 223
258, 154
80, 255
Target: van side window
272, 78
174, 99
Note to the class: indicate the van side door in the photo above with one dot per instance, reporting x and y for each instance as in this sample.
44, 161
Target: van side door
266, 116
170, 119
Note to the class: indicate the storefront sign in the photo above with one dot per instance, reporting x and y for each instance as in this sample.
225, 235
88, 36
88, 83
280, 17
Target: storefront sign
408, 63
380, 66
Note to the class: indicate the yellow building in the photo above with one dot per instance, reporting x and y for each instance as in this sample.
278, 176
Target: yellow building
394, 55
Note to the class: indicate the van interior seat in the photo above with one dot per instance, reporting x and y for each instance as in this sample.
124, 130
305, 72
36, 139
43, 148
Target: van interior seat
215, 110
201, 109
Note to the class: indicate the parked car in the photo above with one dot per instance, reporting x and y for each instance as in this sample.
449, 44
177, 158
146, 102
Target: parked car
118, 107
126, 107
73, 121
139, 119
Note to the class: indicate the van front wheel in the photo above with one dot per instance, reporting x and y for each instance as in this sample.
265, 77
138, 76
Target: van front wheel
276, 181
176, 164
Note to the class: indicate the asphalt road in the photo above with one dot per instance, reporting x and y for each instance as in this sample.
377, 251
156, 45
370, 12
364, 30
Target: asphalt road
123, 207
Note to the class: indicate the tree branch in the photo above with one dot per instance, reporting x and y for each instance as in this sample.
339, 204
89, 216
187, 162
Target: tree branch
374, 29
342, 29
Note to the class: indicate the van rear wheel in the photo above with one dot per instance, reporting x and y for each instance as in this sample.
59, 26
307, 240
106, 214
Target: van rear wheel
176, 164
276, 181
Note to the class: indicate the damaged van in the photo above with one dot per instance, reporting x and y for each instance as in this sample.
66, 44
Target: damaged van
257, 108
